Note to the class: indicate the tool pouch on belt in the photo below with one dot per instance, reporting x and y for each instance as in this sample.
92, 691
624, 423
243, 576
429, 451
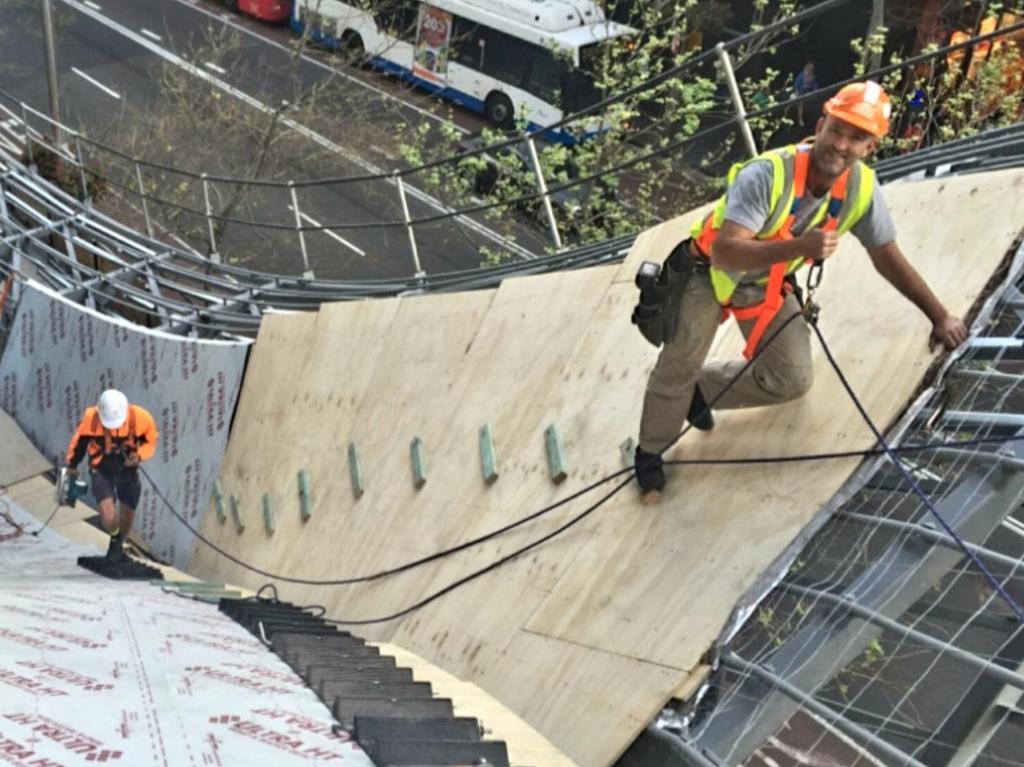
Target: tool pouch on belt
661, 289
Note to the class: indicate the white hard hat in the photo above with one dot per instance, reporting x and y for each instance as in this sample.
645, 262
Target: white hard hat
113, 407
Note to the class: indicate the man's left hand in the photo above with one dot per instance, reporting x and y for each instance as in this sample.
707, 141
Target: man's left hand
131, 460
948, 332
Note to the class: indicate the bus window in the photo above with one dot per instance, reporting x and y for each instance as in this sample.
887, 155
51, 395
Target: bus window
506, 58
399, 19
468, 43
546, 74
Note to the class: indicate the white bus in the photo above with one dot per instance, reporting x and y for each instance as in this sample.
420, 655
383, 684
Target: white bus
506, 59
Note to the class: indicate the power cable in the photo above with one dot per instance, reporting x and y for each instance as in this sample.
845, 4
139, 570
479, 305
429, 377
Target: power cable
891, 451
46, 524
383, 573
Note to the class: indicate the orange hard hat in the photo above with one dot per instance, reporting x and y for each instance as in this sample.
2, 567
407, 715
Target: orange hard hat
865, 105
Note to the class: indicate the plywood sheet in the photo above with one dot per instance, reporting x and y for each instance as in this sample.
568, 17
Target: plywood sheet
720, 527
21, 459
587, 635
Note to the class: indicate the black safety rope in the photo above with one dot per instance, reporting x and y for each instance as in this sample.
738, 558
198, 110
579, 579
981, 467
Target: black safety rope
914, 486
475, 541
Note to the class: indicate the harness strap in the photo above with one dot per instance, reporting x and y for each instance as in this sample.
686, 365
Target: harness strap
765, 312
108, 437
777, 288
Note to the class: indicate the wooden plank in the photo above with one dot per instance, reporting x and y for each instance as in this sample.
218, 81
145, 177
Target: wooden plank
21, 459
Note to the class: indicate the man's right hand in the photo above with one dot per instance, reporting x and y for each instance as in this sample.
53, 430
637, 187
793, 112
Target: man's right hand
72, 471
817, 244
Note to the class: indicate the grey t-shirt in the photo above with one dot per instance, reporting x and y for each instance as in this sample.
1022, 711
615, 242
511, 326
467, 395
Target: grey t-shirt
749, 199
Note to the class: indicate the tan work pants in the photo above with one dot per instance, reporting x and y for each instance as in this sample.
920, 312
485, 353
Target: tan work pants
783, 370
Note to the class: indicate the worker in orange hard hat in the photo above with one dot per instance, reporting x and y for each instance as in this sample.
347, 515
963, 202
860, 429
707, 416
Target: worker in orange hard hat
781, 210
117, 436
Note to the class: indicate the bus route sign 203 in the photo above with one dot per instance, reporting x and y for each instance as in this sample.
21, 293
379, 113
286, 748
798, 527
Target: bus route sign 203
433, 41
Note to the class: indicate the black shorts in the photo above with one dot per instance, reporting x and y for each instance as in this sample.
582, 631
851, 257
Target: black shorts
125, 487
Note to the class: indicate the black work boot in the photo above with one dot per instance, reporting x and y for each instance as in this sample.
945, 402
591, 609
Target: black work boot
649, 475
115, 551
700, 414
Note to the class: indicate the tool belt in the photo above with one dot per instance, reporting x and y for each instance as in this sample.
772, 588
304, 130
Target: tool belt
656, 315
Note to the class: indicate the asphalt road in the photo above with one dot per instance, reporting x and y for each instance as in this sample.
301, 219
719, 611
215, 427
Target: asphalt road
110, 53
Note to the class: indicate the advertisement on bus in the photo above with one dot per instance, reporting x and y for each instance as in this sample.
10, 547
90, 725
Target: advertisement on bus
433, 43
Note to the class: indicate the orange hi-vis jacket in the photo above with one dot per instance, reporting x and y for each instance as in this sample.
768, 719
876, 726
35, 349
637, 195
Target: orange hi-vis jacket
138, 434
839, 212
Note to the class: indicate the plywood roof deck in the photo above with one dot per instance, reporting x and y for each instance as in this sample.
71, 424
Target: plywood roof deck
587, 636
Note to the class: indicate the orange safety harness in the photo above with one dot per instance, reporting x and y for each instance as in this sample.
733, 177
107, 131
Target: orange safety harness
777, 288
108, 438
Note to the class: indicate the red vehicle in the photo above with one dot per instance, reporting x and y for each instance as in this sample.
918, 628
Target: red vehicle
265, 10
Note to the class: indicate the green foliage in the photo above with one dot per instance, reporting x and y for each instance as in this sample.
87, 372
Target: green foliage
633, 173
957, 100
60, 169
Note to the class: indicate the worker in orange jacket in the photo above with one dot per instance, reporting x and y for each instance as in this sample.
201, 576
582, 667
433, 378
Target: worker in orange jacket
117, 437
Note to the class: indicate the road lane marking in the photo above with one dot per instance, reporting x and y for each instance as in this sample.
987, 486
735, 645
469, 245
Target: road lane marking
312, 222
230, 20
97, 83
151, 35
317, 138
215, 68
93, 5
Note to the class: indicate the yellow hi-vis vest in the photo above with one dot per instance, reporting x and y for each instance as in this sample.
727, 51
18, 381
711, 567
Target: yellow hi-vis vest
848, 201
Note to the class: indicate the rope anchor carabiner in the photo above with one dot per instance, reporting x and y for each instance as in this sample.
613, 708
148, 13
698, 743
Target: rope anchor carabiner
811, 309
814, 276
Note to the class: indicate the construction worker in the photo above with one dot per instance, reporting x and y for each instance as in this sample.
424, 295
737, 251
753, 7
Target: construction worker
780, 210
117, 437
